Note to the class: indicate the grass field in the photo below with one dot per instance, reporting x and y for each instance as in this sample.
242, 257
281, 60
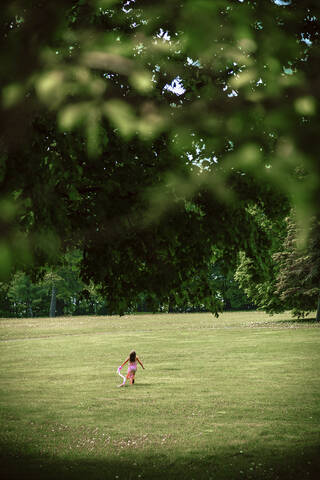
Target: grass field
236, 397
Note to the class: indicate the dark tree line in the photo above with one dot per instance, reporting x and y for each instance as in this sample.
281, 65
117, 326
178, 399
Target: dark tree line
287, 279
60, 291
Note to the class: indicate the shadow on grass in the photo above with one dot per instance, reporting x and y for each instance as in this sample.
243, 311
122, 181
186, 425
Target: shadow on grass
142, 384
127, 386
196, 465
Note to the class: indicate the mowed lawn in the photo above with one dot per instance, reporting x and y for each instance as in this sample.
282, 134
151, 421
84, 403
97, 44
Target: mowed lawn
236, 397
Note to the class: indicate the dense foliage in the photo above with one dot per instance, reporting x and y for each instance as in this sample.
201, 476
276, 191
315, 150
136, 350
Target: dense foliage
61, 291
298, 280
289, 277
257, 276
143, 132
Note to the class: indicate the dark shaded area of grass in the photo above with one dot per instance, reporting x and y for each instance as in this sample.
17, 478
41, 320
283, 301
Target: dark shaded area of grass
223, 466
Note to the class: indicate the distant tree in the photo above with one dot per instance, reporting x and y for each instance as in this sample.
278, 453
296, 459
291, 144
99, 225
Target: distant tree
53, 301
258, 283
257, 274
64, 284
289, 276
90, 301
232, 296
6, 306
298, 278
58, 291
27, 298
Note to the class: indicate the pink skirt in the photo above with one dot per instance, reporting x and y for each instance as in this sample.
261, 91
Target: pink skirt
131, 370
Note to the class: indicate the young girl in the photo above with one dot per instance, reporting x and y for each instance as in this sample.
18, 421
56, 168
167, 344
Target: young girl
132, 367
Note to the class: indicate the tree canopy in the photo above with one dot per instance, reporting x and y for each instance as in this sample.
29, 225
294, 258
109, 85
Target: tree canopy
143, 132
298, 279
289, 277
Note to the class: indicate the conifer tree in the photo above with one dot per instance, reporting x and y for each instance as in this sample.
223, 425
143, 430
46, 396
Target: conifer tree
298, 280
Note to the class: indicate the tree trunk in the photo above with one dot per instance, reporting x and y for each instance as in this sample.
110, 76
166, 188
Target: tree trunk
318, 310
53, 301
30, 311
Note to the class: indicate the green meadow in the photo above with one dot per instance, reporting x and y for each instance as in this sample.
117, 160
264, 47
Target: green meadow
236, 397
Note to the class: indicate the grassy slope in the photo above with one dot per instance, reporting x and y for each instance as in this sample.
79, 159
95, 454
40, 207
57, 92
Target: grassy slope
234, 397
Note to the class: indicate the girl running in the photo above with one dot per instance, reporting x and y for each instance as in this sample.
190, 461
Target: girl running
132, 367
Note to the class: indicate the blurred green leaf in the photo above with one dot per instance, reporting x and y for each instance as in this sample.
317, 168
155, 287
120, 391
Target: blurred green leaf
122, 116
8, 209
12, 94
74, 115
142, 81
50, 87
243, 78
306, 105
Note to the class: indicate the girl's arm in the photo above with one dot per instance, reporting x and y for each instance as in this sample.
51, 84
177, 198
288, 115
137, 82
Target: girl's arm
125, 362
140, 362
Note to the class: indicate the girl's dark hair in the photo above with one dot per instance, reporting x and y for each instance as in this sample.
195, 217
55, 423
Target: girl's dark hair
132, 356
